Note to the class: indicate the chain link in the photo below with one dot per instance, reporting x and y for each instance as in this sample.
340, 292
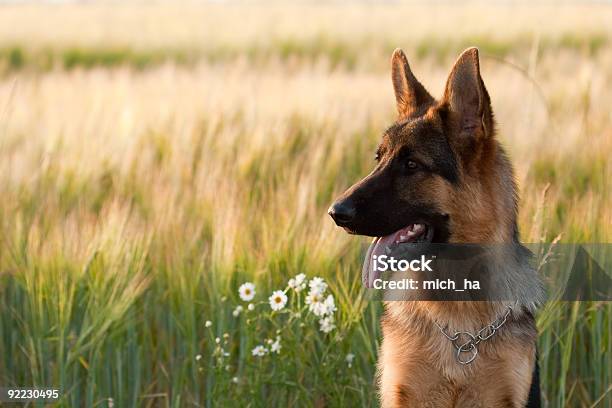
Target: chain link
469, 346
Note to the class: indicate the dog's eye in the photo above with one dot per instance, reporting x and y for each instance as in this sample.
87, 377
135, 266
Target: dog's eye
412, 165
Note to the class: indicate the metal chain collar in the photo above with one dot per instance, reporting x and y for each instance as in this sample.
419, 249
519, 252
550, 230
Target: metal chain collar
469, 346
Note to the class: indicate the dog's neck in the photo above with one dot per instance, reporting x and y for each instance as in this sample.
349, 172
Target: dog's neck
508, 280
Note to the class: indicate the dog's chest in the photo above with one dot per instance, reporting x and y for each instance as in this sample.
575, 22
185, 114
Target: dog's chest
418, 363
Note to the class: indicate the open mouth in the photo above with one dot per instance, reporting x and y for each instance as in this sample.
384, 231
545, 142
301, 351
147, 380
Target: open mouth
386, 245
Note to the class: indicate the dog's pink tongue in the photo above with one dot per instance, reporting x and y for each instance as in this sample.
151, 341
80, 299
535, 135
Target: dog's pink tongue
383, 246
380, 246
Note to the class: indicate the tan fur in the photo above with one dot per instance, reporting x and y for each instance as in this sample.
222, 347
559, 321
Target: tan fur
417, 365
441, 161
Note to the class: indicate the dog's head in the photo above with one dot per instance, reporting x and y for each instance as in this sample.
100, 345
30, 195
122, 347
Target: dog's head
440, 176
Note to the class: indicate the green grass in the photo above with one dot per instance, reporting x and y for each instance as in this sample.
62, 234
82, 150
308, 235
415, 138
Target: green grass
110, 270
128, 322
124, 316
339, 52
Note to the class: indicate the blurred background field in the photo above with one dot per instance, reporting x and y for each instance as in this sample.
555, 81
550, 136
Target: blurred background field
155, 156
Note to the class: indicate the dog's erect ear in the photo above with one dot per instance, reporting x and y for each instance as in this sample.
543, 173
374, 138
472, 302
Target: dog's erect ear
466, 96
410, 95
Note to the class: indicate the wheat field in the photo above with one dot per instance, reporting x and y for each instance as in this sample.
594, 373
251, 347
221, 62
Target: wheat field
154, 157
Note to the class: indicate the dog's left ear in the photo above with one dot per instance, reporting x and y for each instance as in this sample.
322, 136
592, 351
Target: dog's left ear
410, 95
467, 99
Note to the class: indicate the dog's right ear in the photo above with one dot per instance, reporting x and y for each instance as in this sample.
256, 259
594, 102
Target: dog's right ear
410, 95
467, 98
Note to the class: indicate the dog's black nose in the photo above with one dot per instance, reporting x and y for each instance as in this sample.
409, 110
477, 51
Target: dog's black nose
343, 212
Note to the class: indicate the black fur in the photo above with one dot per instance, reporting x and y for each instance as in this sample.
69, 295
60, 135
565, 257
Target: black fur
535, 399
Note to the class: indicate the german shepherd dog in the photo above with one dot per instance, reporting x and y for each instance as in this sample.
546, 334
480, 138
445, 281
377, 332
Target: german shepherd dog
442, 177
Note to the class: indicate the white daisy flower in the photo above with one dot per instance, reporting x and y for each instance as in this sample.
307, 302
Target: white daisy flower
300, 278
327, 324
208, 323
298, 283
247, 291
349, 359
276, 346
330, 305
235, 380
251, 307
317, 285
316, 303
237, 311
198, 357
278, 300
259, 351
